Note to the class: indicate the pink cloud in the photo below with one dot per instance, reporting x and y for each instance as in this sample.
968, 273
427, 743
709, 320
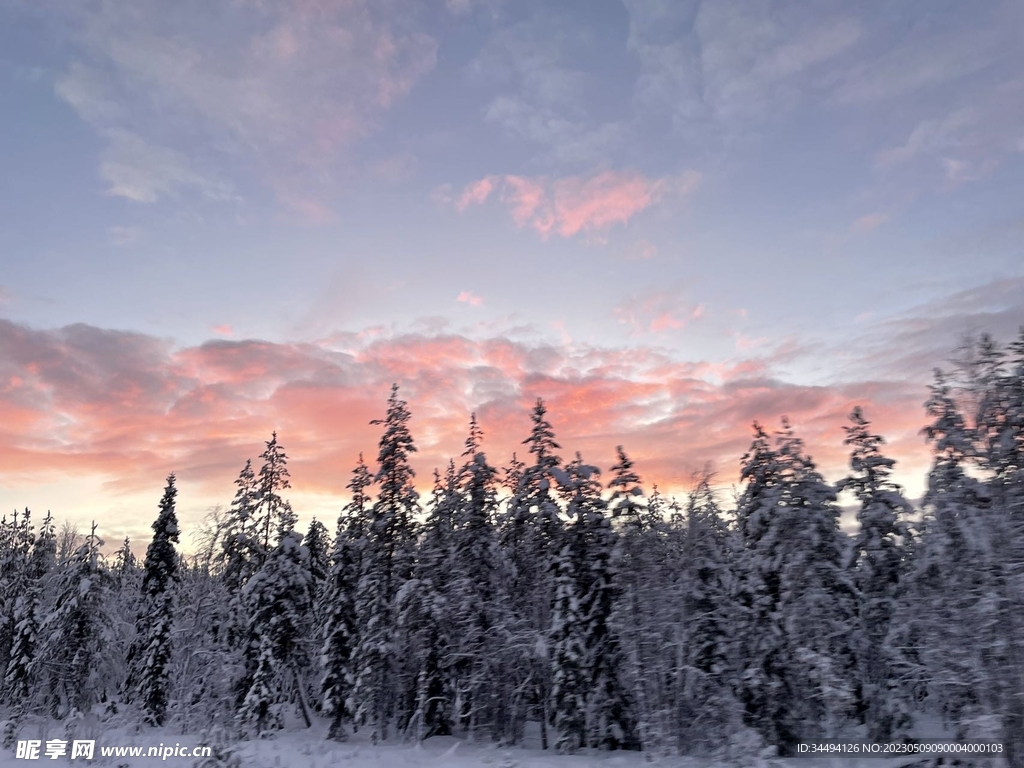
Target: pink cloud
474, 194
602, 201
470, 298
575, 204
222, 330
525, 196
666, 321
658, 311
120, 410
746, 343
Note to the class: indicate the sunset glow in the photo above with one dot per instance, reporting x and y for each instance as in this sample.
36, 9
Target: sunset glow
666, 219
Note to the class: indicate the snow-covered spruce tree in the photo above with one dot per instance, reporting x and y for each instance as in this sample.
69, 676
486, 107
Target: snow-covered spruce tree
991, 521
610, 721
763, 687
799, 600
675, 615
423, 608
273, 521
1007, 487
20, 678
626, 504
273, 513
513, 474
821, 615
478, 608
260, 713
937, 630
278, 598
125, 562
20, 621
642, 565
999, 439
384, 686
535, 522
126, 588
341, 629
532, 539
709, 713
242, 555
16, 539
150, 655
317, 542
242, 552
72, 667
878, 561
568, 660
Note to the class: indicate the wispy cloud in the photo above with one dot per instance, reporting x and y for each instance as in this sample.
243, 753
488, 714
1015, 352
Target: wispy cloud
475, 193
658, 311
280, 90
569, 206
470, 298
932, 54
966, 143
725, 68
142, 172
540, 93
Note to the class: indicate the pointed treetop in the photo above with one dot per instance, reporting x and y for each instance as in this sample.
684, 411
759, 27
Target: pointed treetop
351, 518
625, 488
274, 474
872, 469
475, 437
542, 438
396, 443
361, 478
513, 474
948, 431
759, 461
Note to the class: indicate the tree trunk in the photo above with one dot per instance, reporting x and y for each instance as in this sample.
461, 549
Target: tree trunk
303, 704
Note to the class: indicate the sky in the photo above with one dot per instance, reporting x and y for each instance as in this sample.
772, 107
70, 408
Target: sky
667, 218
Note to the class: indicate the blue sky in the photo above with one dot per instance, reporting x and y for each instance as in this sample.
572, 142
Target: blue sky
668, 218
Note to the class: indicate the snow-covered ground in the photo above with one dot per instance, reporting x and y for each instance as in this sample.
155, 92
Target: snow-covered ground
309, 749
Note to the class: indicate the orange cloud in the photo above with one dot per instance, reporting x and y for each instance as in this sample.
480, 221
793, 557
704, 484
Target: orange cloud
574, 205
119, 411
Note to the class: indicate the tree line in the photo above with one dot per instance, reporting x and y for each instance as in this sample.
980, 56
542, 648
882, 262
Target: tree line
542, 597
